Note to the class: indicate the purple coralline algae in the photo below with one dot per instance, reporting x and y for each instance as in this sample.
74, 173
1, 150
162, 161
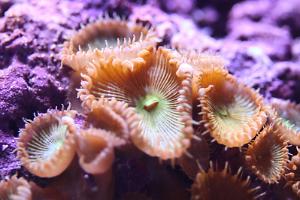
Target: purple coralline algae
279, 13
14, 92
285, 81
8, 162
274, 41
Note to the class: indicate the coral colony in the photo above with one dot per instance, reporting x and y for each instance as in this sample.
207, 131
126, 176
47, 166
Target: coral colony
139, 104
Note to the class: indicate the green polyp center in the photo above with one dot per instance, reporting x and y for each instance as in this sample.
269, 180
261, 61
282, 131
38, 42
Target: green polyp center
47, 142
231, 116
223, 112
100, 42
58, 138
152, 107
55, 146
226, 119
150, 103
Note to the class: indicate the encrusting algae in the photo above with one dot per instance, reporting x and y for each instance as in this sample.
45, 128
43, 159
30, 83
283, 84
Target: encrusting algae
135, 94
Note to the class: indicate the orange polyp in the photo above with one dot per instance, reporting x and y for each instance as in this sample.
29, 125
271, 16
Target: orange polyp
95, 148
267, 155
232, 112
15, 189
199, 61
46, 145
156, 100
106, 38
218, 184
292, 174
289, 119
